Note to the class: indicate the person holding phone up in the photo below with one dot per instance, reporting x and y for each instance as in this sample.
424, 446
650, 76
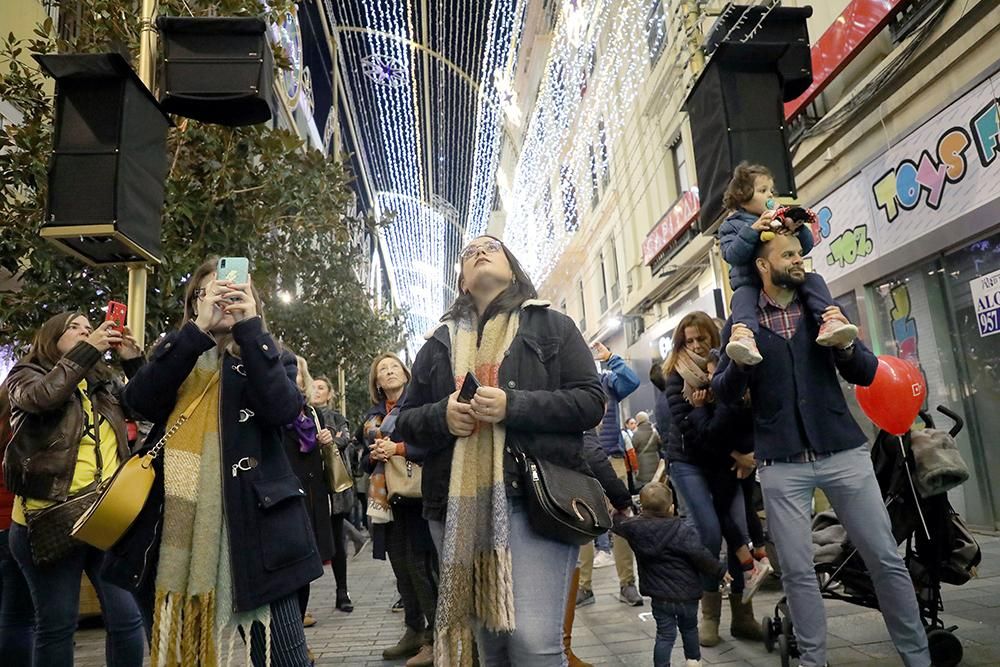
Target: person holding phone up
223, 543
69, 433
539, 392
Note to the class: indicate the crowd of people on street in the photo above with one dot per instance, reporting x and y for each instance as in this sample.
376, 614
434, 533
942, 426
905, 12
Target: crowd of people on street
260, 481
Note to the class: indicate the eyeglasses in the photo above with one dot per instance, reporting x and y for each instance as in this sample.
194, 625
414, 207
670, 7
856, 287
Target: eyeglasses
489, 247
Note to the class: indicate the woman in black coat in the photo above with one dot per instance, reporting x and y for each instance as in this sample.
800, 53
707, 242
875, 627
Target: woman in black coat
343, 502
239, 545
706, 441
303, 439
538, 392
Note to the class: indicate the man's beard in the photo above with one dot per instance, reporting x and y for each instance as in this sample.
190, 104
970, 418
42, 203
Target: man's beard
786, 279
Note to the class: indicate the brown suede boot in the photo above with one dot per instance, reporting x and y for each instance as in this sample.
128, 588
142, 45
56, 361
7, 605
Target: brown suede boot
711, 612
409, 645
568, 618
744, 625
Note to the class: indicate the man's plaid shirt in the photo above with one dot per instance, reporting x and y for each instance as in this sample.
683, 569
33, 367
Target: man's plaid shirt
782, 321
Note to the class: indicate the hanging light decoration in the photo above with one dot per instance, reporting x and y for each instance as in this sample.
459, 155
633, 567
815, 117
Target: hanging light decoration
598, 58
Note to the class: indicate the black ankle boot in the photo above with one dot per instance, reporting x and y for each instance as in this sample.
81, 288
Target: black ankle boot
344, 602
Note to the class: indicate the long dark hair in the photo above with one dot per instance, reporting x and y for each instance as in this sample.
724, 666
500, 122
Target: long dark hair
45, 346
520, 290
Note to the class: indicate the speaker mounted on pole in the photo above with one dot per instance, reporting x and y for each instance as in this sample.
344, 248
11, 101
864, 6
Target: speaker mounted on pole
735, 107
217, 69
109, 161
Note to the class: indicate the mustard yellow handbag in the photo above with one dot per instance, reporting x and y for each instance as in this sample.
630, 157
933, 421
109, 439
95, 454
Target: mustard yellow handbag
123, 496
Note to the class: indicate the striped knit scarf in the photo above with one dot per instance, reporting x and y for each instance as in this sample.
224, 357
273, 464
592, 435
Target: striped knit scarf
193, 620
476, 570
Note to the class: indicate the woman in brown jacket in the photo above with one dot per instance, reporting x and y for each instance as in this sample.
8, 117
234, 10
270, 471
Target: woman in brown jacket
69, 434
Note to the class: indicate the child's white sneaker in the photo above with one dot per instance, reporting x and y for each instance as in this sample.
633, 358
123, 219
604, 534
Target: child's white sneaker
836, 334
744, 351
752, 579
692, 663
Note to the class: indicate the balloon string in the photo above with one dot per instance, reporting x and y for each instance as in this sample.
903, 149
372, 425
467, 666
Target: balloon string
916, 498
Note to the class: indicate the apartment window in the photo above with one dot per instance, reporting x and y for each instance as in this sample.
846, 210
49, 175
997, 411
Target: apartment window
570, 214
678, 159
595, 189
614, 270
604, 286
604, 164
656, 33
583, 306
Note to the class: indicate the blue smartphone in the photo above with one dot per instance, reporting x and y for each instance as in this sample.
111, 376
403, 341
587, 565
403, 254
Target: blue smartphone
233, 269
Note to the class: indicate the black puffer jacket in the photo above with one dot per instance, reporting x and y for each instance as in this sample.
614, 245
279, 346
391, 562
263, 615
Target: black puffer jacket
671, 557
601, 467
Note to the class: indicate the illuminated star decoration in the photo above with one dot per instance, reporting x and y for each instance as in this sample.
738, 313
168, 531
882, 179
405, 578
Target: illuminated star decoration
384, 70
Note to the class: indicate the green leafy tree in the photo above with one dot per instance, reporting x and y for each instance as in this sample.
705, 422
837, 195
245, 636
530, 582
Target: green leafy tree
250, 191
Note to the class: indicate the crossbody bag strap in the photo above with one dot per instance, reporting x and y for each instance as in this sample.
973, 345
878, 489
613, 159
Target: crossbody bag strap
158, 447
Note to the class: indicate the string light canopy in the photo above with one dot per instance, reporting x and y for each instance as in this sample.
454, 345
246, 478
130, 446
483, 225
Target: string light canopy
424, 117
598, 58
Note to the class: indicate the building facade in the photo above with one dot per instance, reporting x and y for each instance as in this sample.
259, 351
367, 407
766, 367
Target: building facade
898, 155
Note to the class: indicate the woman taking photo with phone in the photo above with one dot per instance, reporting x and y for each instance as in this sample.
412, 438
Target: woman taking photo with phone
69, 434
539, 392
223, 543
399, 528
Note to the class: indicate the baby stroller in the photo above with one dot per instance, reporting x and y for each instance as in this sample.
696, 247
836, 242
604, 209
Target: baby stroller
939, 548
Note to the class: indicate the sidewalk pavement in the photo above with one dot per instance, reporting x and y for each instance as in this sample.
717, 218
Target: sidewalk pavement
609, 633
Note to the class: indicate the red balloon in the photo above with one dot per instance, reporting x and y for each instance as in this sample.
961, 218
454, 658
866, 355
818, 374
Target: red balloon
893, 400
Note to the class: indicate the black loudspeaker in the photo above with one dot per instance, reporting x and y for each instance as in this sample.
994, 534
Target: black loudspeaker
782, 26
736, 106
109, 161
217, 70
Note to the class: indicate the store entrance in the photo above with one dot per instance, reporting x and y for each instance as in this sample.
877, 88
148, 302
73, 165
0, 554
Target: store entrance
927, 314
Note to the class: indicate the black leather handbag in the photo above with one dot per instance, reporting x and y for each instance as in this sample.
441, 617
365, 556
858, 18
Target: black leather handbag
563, 504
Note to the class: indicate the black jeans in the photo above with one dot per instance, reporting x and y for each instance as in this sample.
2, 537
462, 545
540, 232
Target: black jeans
415, 567
339, 561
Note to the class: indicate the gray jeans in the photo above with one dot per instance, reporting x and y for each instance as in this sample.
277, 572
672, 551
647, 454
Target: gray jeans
849, 482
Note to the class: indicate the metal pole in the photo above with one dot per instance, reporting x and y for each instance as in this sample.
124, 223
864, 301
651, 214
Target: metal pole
340, 390
137, 273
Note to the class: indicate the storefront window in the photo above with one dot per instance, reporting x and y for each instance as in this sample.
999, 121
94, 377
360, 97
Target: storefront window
926, 314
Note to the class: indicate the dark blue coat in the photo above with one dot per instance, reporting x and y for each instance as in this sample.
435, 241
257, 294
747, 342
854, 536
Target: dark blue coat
271, 541
670, 556
797, 402
739, 246
553, 396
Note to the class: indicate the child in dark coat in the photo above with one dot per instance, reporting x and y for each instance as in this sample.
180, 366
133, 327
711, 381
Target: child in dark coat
749, 198
671, 557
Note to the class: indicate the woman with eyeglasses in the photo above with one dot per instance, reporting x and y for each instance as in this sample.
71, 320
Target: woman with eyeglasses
706, 442
223, 544
69, 434
538, 392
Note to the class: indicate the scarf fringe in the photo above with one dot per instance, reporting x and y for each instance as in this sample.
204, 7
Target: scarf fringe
494, 601
453, 646
184, 630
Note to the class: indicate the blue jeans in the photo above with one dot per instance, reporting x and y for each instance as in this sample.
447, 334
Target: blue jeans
848, 480
542, 569
689, 481
17, 613
671, 616
55, 590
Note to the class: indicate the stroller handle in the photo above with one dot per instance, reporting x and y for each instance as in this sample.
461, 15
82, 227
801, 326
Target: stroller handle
955, 417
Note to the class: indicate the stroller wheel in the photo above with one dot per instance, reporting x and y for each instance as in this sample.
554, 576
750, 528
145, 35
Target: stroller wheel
945, 648
783, 650
767, 630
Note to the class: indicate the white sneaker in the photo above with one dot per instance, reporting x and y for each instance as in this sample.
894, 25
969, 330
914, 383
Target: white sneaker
692, 663
603, 559
744, 351
754, 578
836, 334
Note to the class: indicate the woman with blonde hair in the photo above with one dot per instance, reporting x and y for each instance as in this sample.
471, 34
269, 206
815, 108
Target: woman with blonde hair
398, 525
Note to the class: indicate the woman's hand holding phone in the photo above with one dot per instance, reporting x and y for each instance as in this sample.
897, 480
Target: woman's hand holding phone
461, 421
210, 309
242, 305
